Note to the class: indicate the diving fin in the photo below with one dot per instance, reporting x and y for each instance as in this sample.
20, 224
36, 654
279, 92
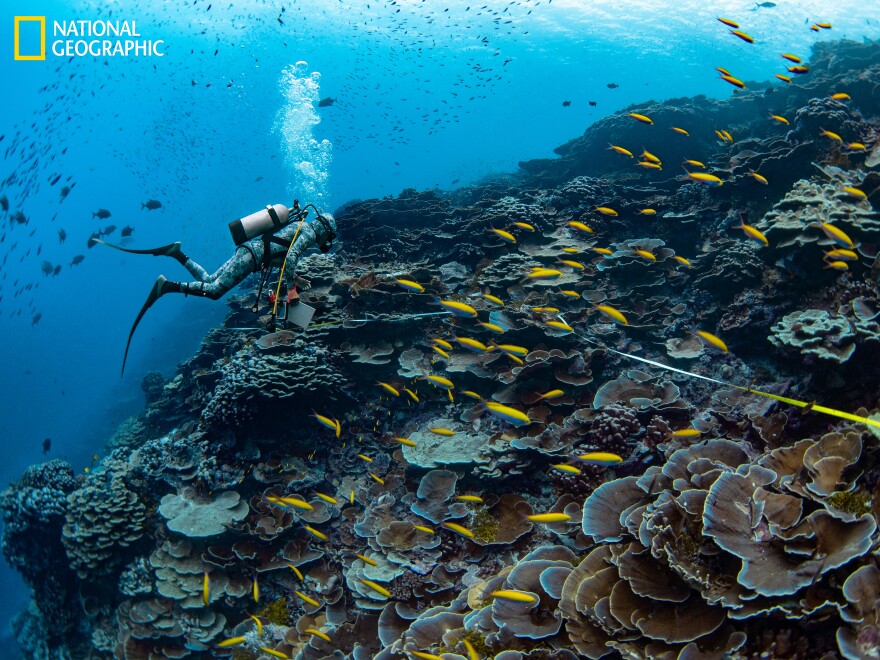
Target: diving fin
173, 250
160, 288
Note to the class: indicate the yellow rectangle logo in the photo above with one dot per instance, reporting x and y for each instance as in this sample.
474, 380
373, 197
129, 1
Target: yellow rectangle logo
22, 19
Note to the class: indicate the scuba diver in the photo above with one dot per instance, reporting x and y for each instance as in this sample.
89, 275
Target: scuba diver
276, 236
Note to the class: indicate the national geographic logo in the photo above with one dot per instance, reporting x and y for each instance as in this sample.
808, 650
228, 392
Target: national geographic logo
82, 39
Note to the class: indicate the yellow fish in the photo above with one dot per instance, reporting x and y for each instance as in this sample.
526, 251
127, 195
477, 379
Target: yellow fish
471, 394
515, 596
379, 481
572, 264
683, 261
552, 394
721, 136
206, 589
644, 254
505, 235
458, 308
855, 192
706, 179
722, 71
513, 350
492, 299
580, 226
736, 82
472, 344
783, 78
255, 591
327, 498
297, 503
685, 433
471, 651
791, 58
836, 235
317, 633
296, 571
492, 327
425, 656
524, 225
642, 118
409, 285
798, 69
601, 458
544, 274
440, 381
613, 314
560, 325
442, 431
545, 310
232, 641
780, 119
759, 178
712, 340
742, 35
571, 250
378, 588
316, 533
442, 342
570, 293
412, 395
647, 155
571, 469
648, 212
603, 251
439, 351
351, 497
455, 527
858, 146
606, 210
469, 498
824, 26
843, 255
549, 517
508, 414
404, 441
388, 388
366, 560
837, 265
680, 130
331, 424
422, 528
620, 150
365, 458
729, 23
274, 653
727, 136
648, 164
840, 96
830, 135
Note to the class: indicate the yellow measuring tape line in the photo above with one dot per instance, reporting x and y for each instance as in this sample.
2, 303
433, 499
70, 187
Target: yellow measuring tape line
284, 263
793, 402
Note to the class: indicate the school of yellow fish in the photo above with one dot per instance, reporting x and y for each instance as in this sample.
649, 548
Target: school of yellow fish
550, 318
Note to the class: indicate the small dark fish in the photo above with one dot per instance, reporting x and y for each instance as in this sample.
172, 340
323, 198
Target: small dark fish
323, 103
77, 260
106, 231
592, 103
151, 204
4, 203
47, 268
62, 235
101, 214
47, 445
20, 218
93, 238
128, 230
65, 191
612, 85
565, 104
55, 180
56, 271
454, 181
765, 5
36, 319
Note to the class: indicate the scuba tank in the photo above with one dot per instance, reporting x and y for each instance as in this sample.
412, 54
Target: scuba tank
264, 221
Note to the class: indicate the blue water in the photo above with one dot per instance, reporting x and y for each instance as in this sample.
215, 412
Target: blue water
429, 94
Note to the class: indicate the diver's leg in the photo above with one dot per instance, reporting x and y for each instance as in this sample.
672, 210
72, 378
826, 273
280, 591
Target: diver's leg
214, 286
